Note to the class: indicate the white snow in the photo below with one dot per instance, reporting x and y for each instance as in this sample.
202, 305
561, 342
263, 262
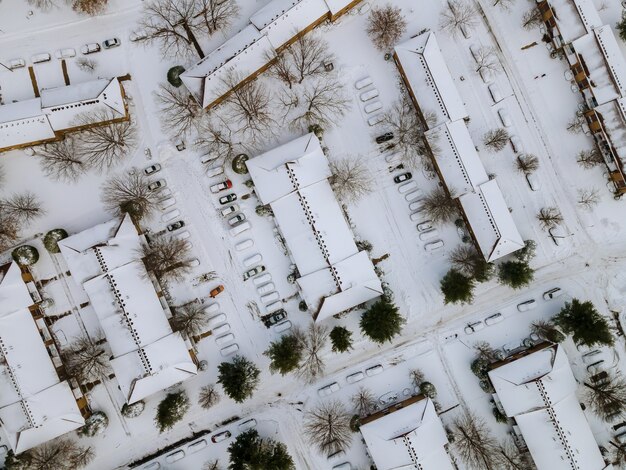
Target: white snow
572, 18
14, 294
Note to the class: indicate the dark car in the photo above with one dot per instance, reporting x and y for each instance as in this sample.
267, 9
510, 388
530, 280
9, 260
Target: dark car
387, 136
403, 177
275, 317
175, 226
228, 198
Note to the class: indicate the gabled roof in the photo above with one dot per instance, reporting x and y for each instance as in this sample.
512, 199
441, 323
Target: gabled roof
429, 79
14, 294
575, 18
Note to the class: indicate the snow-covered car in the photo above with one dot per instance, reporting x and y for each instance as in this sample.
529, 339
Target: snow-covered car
265, 288
262, 279
428, 235
209, 157
212, 172
175, 226
38, 58
374, 370
495, 93
166, 203
553, 293
328, 389
225, 339
244, 245
17, 63
216, 291
229, 210
413, 195
196, 446
360, 84
242, 227
137, 35
222, 436
533, 182
517, 145
343, 466
152, 169
493, 319
282, 326
376, 119
171, 215
370, 94
247, 425
90, 48
216, 188
156, 185
230, 349
194, 262
216, 320
386, 137
212, 308
505, 118
416, 205
474, 327
356, 377
415, 216
372, 107
403, 177
110, 43
407, 187
253, 260
424, 226
222, 329
65, 53
528, 305
175, 456
228, 198
253, 272
270, 298
236, 219
434, 246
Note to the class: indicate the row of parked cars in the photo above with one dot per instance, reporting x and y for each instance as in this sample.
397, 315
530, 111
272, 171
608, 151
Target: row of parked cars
368, 95
66, 53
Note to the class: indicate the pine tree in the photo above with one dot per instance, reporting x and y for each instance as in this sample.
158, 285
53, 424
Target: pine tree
607, 396
621, 26
381, 322
547, 330
515, 274
171, 410
341, 339
285, 354
457, 288
239, 378
250, 452
584, 323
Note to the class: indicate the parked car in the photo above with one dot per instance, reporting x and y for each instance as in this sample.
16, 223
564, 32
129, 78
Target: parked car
110, 43
262, 279
403, 177
370, 94
229, 210
375, 106
171, 215
474, 327
253, 272
374, 370
275, 307
175, 456
343, 466
222, 329
428, 234
424, 226
266, 288
275, 318
376, 119
156, 185
216, 291
244, 245
237, 229
152, 169
230, 349
65, 53
533, 182
212, 172
360, 84
433, 246
17, 63
517, 145
216, 188
495, 93
493, 319
194, 262
175, 226
222, 436
38, 58
270, 298
247, 425
228, 198
236, 219
328, 389
212, 308
253, 260
165, 203
209, 157
553, 293
505, 119
90, 48
528, 305
356, 377
386, 137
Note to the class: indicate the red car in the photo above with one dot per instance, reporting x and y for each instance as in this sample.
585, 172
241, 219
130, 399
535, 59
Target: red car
217, 291
216, 188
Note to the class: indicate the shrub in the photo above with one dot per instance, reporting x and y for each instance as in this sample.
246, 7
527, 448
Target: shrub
428, 389
173, 75
457, 288
285, 354
515, 274
52, 238
584, 322
133, 410
381, 322
94, 425
239, 164
25, 255
341, 339
171, 410
239, 378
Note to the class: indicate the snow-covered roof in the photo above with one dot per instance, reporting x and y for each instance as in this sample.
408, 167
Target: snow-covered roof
293, 179
282, 20
13, 291
429, 79
104, 259
411, 437
539, 392
613, 116
456, 157
238, 58
34, 405
58, 109
575, 18
336, 6
604, 62
490, 219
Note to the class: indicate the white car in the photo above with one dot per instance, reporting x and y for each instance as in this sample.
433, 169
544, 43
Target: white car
374, 370
433, 246
216, 320
553, 293
528, 305
220, 330
17, 63
225, 339
474, 327
533, 182
370, 94
38, 58
328, 389
493, 319
517, 145
90, 48
65, 53
262, 279
428, 234
215, 171
229, 210
360, 84
228, 350
356, 377
505, 119
242, 227
495, 93
236, 219
247, 425
157, 185
424, 226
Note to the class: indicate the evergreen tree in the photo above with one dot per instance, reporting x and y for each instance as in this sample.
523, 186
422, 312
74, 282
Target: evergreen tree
547, 330
341, 339
250, 452
607, 396
239, 378
621, 26
457, 288
381, 322
171, 410
515, 274
528, 252
584, 323
285, 354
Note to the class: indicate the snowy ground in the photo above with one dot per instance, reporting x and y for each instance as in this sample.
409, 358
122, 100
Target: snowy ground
587, 265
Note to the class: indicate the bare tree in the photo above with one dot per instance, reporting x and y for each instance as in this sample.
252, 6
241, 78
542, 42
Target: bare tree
439, 206
322, 103
486, 351
474, 443
129, 193
211, 465
215, 137
511, 458
190, 319
467, 260
549, 217
89, 7
532, 19
61, 160
59, 454
496, 139
215, 15
308, 53
180, 112
458, 17
618, 454
9, 230
248, 106
527, 163
105, 146
44, 5
487, 59
312, 342
606, 396
167, 257
87, 360
282, 68
504, 4
385, 26
86, 64
350, 178
24, 207
364, 402
328, 427
403, 121
208, 396
576, 125
588, 198
547, 330
417, 377
589, 158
